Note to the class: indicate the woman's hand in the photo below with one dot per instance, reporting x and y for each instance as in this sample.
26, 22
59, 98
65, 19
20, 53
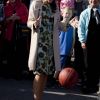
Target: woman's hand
13, 18
36, 23
56, 75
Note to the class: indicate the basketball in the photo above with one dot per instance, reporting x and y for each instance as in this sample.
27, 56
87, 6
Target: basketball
68, 77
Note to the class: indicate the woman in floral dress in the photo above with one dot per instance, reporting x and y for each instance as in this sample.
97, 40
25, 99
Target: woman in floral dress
44, 58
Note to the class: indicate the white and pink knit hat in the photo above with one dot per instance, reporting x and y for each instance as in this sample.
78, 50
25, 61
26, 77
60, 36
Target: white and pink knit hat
67, 3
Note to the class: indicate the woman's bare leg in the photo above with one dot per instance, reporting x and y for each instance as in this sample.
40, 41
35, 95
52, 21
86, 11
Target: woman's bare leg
38, 86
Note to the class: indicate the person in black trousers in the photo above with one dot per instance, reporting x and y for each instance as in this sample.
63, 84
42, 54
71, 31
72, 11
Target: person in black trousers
88, 33
78, 51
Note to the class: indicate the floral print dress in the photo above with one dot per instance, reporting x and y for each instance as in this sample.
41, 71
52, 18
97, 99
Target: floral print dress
45, 55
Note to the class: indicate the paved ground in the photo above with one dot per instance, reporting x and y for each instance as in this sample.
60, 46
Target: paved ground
11, 89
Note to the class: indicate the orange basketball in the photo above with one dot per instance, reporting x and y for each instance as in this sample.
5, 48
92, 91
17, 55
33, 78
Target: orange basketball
68, 77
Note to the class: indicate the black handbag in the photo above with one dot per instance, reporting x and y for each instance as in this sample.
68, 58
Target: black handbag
22, 30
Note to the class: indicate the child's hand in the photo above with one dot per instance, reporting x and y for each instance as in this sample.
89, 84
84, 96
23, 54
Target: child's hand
74, 22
